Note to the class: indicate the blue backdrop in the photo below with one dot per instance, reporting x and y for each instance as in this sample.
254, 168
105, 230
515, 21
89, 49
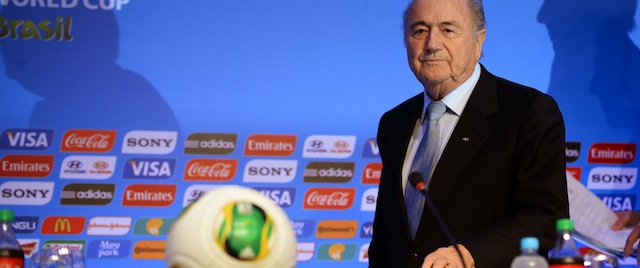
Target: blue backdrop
321, 71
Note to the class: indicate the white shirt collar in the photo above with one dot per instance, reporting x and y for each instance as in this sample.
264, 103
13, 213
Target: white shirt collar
457, 99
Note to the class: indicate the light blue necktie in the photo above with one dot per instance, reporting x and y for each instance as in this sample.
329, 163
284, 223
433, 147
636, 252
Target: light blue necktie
423, 163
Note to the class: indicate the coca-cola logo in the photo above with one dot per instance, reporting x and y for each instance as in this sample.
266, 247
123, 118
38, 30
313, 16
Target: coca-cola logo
329, 198
97, 141
210, 169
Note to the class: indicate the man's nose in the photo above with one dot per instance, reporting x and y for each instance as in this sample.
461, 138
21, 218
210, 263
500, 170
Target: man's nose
433, 42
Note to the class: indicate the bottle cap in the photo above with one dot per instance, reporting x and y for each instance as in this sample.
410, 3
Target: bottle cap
6, 214
564, 225
529, 243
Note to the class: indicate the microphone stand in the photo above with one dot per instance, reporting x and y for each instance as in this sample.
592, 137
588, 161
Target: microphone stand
417, 181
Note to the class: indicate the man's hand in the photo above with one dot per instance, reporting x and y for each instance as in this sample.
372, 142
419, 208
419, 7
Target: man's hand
628, 219
448, 257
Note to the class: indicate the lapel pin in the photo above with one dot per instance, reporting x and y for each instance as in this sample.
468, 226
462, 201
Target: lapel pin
465, 138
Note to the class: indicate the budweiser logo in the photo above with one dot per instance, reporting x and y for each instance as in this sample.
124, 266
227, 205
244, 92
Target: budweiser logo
329, 198
88, 141
210, 169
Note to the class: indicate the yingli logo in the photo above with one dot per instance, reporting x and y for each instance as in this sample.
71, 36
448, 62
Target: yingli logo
26, 166
612, 153
91, 141
270, 145
210, 169
149, 195
329, 198
63, 225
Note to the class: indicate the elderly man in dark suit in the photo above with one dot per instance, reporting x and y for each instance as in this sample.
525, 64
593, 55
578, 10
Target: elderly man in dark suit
493, 162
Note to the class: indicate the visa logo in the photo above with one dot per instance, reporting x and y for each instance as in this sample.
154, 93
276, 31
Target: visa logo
619, 202
283, 196
26, 139
370, 148
149, 168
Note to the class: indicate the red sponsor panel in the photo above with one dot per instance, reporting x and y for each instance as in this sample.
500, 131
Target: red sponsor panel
329, 198
576, 172
61, 225
210, 169
149, 195
270, 145
612, 153
89, 141
371, 173
26, 166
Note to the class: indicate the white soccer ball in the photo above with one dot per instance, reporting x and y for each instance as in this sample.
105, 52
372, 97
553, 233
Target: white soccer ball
231, 226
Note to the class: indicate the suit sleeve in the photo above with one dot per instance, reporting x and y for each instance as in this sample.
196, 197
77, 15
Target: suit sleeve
539, 189
378, 254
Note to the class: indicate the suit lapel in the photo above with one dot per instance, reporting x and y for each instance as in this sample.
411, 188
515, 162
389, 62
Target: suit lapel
468, 136
398, 136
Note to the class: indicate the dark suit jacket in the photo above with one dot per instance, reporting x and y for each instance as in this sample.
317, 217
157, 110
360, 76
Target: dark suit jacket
501, 177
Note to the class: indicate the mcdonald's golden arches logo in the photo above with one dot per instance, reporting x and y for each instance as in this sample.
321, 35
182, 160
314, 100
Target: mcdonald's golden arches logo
63, 225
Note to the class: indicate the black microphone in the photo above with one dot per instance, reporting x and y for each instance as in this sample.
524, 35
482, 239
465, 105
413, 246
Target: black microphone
417, 181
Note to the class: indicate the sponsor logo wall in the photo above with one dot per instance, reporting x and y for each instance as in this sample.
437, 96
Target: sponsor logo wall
108, 130
120, 204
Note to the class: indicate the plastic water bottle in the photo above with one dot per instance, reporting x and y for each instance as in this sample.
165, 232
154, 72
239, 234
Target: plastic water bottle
529, 257
11, 254
565, 254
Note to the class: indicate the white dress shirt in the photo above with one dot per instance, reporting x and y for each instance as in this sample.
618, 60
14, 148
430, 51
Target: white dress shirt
455, 101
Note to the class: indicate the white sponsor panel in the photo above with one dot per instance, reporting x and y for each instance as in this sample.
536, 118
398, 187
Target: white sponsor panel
369, 199
270, 171
328, 146
149, 142
87, 167
26, 193
612, 178
29, 246
363, 255
196, 191
113, 226
305, 250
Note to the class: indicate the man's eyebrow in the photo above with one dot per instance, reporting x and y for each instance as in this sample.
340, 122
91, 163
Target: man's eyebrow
419, 23
450, 23
444, 23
